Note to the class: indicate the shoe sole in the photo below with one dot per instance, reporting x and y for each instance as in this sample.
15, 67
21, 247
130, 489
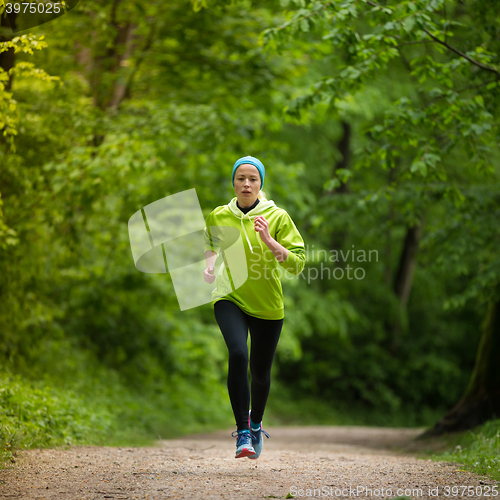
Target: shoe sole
246, 452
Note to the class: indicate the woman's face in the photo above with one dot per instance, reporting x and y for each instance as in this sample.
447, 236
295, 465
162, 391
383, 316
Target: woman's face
246, 184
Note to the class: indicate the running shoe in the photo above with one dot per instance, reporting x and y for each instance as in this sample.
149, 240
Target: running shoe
244, 446
257, 439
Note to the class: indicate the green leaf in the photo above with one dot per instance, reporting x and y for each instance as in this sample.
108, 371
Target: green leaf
332, 184
479, 99
420, 167
344, 174
409, 23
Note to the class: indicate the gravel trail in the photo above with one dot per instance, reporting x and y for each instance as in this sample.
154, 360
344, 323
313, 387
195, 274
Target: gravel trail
306, 462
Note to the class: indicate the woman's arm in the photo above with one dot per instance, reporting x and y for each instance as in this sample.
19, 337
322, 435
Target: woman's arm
210, 257
292, 258
279, 251
208, 274
211, 250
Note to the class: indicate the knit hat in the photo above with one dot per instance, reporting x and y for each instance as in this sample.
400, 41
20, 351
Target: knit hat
253, 161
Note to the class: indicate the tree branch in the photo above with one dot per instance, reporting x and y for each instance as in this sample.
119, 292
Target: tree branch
112, 17
121, 90
465, 56
449, 47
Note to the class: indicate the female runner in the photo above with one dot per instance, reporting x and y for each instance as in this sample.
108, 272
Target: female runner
270, 239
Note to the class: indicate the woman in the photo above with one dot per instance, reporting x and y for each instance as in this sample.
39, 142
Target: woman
257, 304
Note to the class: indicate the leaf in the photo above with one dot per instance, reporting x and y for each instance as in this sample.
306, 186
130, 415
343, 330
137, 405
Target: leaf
332, 184
435, 92
409, 24
479, 99
344, 174
420, 167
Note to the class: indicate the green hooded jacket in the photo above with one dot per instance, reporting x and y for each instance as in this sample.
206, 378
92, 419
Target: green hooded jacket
250, 273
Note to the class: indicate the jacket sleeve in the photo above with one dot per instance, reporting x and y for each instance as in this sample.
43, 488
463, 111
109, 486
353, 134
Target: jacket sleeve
288, 236
212, 242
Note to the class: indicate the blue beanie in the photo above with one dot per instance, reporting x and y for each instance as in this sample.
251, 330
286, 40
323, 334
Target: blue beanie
253, 161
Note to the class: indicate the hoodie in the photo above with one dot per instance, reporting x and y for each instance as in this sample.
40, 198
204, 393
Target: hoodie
249, 275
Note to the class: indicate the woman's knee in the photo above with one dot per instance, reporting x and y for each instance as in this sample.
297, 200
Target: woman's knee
238, 355
261, 378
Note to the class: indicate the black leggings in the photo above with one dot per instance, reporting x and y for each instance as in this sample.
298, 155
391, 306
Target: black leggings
264, 334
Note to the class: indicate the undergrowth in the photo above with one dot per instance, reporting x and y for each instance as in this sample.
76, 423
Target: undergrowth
477, 450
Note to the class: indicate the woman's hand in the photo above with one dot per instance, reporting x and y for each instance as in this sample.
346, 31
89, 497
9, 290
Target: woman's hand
262, 227
209, 275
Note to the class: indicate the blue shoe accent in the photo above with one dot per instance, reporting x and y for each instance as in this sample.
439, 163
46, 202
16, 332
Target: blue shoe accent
244, 446
257, 439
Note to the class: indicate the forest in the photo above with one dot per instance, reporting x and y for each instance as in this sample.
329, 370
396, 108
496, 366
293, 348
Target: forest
378, 124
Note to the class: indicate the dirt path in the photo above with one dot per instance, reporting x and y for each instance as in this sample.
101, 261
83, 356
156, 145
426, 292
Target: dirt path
307, 462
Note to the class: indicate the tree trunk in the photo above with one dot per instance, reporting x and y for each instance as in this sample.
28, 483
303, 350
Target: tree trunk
481, 401
407, 263
388, 238
113, 62
7, 58
125, 39
344, 146
404, 278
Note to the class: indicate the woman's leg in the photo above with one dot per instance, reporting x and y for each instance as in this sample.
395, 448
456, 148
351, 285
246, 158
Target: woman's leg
265, 334
234, 327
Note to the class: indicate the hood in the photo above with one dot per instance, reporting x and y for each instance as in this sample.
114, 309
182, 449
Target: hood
262, 206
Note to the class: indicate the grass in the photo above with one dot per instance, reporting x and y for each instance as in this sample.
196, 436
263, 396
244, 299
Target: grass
477, 451
36, 416
41, 414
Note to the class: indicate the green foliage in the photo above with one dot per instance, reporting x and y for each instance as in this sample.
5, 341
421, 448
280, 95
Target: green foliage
358, 365
369, 41
26, 44
290, 407
36, 416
